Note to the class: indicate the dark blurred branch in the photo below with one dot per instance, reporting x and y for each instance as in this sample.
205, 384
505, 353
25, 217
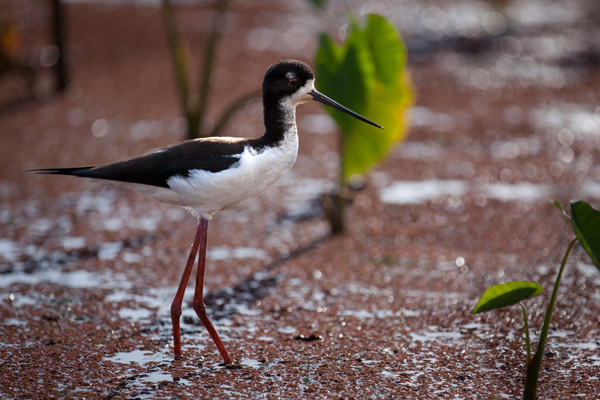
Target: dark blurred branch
212, 44
57, 28
180, 62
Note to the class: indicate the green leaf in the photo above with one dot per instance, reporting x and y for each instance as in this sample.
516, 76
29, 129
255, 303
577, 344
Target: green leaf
349, 86
506, 294
329, 55
367, 74
389, 54
586, 224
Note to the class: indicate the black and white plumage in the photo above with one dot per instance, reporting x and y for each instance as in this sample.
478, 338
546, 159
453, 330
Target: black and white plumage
211, 174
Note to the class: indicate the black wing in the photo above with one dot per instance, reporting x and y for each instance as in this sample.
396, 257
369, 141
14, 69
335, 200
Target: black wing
157, 167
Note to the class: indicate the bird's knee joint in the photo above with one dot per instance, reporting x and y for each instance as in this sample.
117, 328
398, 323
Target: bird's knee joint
175, 311
200, 308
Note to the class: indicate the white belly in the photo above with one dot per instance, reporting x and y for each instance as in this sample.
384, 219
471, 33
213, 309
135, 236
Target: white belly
206, 192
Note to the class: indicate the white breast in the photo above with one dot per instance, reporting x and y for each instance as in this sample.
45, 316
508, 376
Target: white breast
206, 192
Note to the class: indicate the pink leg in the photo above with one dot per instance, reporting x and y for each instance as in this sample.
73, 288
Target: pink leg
176, 305
198, 293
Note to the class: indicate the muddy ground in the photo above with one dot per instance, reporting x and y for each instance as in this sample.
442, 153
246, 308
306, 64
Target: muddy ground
507, 117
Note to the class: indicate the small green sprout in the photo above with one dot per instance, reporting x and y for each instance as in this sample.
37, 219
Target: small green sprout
586, 226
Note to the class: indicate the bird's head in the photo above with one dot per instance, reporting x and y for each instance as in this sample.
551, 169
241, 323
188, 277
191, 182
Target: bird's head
293, 82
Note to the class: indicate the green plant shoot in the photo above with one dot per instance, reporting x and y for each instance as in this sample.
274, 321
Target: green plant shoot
368, 74
506, 294
585, 221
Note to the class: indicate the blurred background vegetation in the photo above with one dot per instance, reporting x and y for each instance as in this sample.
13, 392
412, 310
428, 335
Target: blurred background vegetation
204, 61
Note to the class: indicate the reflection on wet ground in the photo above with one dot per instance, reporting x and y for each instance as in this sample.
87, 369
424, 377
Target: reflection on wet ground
507, 117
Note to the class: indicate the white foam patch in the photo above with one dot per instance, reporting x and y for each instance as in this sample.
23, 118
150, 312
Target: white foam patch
410, 192
226, 253
520, 191
418, 192
9, 250
110, 250
248, 362
72, 279
135, 314
141, 357
581, 120
364, 314
156, 377
423, 116
432, 334
72, 242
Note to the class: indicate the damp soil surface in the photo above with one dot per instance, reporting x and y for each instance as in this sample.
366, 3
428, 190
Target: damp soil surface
506, 118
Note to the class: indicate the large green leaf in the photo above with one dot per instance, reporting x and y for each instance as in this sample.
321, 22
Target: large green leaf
367, 74
506, 294
388, 52
586, 224
345, 79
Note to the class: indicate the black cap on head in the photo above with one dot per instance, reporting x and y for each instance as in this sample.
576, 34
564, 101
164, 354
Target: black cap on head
285, 77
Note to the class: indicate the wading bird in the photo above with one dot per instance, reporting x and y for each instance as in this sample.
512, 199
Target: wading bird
218, 173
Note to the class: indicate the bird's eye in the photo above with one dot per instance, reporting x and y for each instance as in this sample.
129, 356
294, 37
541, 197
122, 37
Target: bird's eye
293, 81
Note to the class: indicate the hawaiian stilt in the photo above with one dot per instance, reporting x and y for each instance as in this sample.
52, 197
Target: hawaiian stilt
211, 174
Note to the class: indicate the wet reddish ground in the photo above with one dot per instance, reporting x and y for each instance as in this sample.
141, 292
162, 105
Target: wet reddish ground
506, 118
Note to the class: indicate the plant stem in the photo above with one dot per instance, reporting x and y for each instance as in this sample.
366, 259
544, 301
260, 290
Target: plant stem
342, 176
180, 62
533, 366
337, 217
212, 43
58, 29
527, 340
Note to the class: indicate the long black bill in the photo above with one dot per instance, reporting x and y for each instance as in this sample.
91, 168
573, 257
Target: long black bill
321, 98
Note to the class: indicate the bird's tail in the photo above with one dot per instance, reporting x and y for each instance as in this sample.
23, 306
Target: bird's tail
79, 171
